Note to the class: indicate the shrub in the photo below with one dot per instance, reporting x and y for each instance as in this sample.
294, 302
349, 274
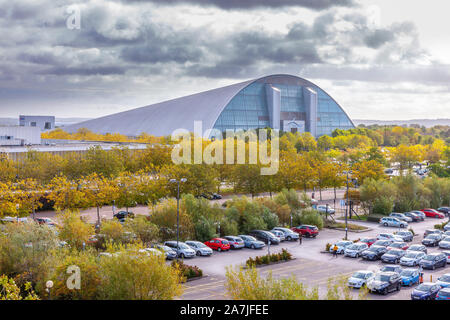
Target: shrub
311, 217
187, 271
440, 226
374, 218
412, 231
140, 226
383, 205
284, 255
327, 247
74, 230
112, 229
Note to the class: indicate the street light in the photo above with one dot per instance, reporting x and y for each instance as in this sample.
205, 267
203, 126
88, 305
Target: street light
178, 208
347, 206
49, 286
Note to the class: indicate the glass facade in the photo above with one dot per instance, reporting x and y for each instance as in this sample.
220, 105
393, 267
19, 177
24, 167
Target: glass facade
249, 109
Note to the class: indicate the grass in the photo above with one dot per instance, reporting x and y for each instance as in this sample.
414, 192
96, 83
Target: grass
341, 225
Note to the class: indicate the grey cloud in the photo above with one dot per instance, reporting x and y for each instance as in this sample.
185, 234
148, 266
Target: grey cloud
251, 4
84, 71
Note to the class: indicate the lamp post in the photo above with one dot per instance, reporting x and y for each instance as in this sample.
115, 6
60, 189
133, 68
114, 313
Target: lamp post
49, 286
347, 206
178, 182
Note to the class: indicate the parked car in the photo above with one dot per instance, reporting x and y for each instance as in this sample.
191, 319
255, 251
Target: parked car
323, 209
417, 247
444, 210
393, 222
414, 217
447, 253
434, 260
400, 216
393, 256
169, 252
445, 242
306, 230
420, 214
341, 245
446, 233
200, 248
182, 250
46, 221
360, 278
368, 241
432, 240
412, 258
384, 282
218, 244
210, 196
252, 242
389, 236
431, 231
151, 252
431, 213
392, 268
447, 227
398, 245
279, 234
410, 277
373, 253
355, 250
235, 242
289, 235
425, 291
265, 236
443, 294
383, 243
444, 280
122, 215
407, 236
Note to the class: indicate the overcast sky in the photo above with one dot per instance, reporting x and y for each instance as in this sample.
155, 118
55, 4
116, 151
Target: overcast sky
380, 59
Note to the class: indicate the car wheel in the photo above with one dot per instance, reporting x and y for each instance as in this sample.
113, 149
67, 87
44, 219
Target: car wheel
198, 253
357, 255
219, 249
398, 287
252, 246
385, 224
384, 292
289, 238
402, 226
182, 255
433, 267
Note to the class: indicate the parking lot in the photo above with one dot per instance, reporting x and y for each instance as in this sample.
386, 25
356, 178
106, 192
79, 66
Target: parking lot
311, 266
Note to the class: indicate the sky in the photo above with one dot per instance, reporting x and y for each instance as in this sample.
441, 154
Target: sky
380, 59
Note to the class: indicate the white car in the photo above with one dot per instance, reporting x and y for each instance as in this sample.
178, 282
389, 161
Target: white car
323, 209
389, 236
151, 251
355, 250
400, 216
412, 258
341, 245
360, 278
393, 222
445, 243
200, 248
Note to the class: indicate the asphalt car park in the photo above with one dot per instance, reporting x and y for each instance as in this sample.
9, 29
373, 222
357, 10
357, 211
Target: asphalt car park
311, 266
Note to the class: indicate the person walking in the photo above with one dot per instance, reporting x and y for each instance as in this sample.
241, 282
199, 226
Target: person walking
300, 237
335, 251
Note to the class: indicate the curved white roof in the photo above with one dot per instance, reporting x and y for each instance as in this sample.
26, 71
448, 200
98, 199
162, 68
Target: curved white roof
164, 118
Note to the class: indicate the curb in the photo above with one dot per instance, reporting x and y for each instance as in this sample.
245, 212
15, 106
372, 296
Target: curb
354, 231
196, 278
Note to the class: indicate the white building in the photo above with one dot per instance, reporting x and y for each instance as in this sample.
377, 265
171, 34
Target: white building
19, 136
42, 122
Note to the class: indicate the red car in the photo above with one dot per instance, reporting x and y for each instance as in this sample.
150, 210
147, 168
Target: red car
431, 213
369, 241
306, 230
218, 244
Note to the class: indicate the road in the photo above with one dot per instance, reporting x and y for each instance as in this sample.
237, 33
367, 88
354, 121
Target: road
310, 267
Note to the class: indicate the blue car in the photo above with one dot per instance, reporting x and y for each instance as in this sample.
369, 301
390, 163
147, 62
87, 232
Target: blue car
410, 277
444, 281
426, 291
443, 294
252, 242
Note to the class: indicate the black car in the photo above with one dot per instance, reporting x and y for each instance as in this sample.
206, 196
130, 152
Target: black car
434, 260
444, 210
385, 282
413, 216
210, 196
265, 236
373, 253
122, 215
393, 256
432, 240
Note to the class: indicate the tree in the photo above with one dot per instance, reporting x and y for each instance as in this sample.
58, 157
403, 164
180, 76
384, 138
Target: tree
141, 226
113, 230
67, 194
368, 169
131, 275
74, 230
10, 291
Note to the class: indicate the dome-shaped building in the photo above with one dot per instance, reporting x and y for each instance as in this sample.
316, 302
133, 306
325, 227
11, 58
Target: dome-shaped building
283, 102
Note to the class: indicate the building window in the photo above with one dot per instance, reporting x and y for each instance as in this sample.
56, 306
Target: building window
33, 124
48, 125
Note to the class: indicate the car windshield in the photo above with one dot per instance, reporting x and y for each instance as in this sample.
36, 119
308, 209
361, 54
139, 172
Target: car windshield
415, 247
359, 275
342, 243
382, 277
446, 238
445, 278
396, 252
353, 247
411, 255
445, 293
183, 246
429, 258
200, 245
251, 238
397, 245
433, 236
225, 242
424, 287
407, 273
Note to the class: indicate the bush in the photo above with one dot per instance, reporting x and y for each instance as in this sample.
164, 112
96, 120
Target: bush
311, 217
440, 226
112, 229
327, 247
374, 218
74, 230
187, 271
284, 255
383, 205
144, 230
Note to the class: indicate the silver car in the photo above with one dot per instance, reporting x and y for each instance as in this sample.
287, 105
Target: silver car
360, 278
279, 234
183, 250
289, 235
355, 250
445, 243
417, 247
200, 248
412, 258
341, 245
400, 216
